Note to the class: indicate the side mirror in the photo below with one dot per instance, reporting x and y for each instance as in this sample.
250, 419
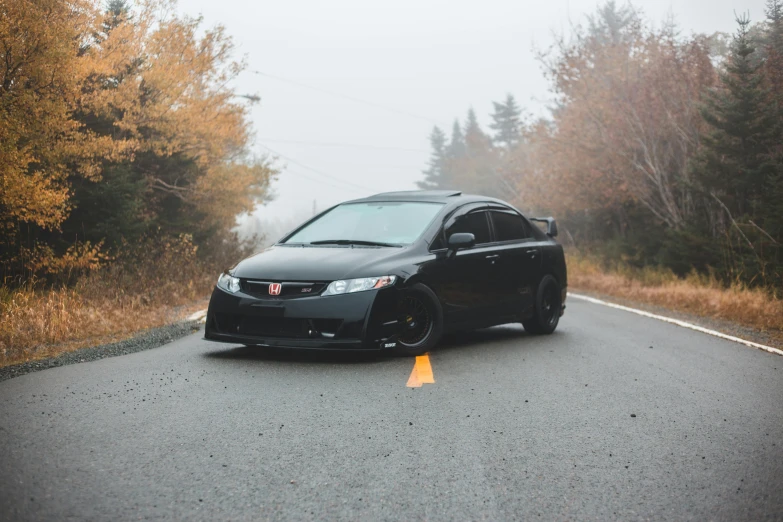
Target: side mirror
551, 225
551, 228
461, 240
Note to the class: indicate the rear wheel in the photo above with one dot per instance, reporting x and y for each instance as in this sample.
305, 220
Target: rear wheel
423, 319
546, 312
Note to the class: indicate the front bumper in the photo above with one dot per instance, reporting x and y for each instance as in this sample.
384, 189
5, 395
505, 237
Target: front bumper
360, 321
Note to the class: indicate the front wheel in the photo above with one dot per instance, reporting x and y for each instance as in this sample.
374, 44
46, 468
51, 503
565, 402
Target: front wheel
546, 312
423, 318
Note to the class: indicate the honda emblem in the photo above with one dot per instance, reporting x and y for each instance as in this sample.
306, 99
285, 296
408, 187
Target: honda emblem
274, 288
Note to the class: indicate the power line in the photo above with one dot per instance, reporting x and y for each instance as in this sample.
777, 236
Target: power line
347, 145
295, 162
351, 98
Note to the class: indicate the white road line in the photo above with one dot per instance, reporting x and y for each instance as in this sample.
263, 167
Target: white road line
684, 324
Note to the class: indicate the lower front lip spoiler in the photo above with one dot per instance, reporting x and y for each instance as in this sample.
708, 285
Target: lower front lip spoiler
306, 344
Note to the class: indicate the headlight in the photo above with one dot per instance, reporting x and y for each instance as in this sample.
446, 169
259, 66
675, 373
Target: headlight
349, 286
228, 283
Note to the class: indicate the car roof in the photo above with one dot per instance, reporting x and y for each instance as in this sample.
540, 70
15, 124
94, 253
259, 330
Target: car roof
450, 198
416, 195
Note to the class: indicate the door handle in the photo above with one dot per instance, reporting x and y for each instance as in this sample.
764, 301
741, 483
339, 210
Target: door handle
532, 253
495, 256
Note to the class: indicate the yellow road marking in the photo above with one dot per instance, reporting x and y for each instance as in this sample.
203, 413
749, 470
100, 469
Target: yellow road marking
422, 372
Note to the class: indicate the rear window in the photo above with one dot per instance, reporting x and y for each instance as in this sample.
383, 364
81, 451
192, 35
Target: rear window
510, 226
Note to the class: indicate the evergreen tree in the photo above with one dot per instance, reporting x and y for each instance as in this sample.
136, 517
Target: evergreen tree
109, 211
117, 11
611, 23
773, 66
434, 175
456, 147
507, 123
478, 172
111, 208
733, 164
476, 141
775, 24
772, 218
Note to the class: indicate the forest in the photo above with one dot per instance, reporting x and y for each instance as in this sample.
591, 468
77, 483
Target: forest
124, 162
660, 149
126, 157
120, 134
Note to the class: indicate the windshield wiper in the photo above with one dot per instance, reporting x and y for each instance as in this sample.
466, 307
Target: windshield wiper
353, 242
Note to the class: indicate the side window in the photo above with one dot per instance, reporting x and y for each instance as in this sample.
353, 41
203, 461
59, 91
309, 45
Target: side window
475, 223
510, 226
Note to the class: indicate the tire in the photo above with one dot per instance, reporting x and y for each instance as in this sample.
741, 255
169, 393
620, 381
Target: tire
424, 316
546, 312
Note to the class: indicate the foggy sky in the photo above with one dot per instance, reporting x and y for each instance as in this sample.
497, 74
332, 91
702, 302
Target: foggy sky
432, 59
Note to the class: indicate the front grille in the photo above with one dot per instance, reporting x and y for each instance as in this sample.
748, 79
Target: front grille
283, 327
287, 289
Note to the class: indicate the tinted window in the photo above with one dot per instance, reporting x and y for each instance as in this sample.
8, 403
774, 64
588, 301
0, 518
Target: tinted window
384, 221
509, 226
475, 223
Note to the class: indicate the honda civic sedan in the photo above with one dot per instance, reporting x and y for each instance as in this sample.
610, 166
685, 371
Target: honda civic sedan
394, 272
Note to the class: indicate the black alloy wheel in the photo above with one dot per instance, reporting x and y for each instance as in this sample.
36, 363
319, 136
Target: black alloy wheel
546, 313
422, 321
418, 322
550, 305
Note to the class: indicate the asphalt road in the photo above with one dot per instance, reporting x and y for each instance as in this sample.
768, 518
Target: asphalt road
515, 427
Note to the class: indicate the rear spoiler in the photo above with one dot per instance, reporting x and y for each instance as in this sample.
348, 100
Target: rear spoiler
551, 225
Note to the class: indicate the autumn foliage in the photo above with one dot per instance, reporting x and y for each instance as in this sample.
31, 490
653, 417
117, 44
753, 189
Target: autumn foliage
660, 149
118, 123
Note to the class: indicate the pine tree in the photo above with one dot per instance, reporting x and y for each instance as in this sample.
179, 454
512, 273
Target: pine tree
733, 164
610, 26
772, 211
773, 66
434, 175
456, 147
117, 11
507, 123
478, 172
476, 141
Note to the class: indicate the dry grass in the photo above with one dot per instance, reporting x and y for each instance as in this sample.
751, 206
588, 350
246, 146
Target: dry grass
163, 286
696, 294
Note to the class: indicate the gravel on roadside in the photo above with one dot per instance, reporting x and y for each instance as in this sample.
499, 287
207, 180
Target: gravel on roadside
152, 338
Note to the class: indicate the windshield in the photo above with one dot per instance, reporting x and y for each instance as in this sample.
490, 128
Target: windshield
394, 223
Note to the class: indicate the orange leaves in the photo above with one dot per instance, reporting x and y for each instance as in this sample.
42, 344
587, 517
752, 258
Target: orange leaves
33, 198
147, 81
159, 81
80, 257
163, 87
627, 122
83, 89
41, 72
230, 188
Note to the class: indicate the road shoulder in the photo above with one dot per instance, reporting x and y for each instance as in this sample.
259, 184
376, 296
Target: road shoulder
145, 340
720, 325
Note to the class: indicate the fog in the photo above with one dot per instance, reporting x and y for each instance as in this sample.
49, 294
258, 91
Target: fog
350, 89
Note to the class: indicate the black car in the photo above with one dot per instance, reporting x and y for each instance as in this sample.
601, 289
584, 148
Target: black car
394, 271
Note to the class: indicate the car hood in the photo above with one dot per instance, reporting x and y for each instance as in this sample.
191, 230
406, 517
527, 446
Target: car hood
318, 263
